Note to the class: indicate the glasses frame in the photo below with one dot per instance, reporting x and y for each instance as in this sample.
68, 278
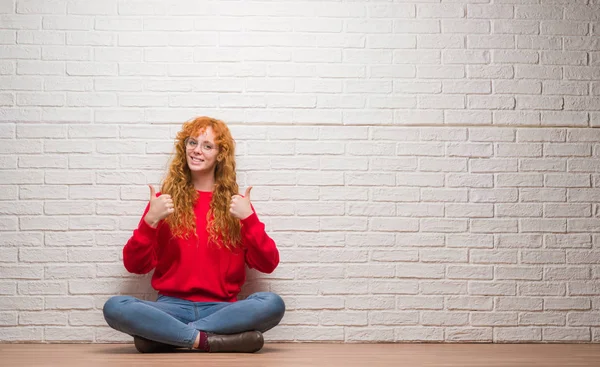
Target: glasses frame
205, 146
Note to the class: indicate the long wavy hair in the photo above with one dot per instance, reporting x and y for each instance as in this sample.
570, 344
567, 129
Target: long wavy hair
223, 228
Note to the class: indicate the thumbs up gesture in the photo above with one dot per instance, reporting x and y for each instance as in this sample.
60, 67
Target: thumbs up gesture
240, 205
160, 208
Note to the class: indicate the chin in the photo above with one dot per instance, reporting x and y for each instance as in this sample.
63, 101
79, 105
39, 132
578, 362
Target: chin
198, 168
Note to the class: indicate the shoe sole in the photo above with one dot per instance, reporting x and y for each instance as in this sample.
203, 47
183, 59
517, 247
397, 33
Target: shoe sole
149, 346
250, 342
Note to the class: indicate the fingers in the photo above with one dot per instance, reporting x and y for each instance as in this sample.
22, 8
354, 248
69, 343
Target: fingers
247, 193
169, 207
165, 204
161, 206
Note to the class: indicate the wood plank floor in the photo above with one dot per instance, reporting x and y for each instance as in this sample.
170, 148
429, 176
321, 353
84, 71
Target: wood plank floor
310, 355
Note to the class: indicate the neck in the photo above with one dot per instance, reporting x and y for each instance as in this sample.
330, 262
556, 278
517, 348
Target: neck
203, 181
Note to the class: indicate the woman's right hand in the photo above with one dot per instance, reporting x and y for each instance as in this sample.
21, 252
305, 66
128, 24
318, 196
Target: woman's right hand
160, 208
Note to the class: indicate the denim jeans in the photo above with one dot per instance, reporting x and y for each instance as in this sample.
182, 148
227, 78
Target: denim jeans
177, 321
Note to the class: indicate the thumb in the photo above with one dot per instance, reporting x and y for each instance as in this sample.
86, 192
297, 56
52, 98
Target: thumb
247, 193
152, 192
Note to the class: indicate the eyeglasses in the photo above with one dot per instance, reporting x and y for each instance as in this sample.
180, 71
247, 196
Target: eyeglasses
206, 147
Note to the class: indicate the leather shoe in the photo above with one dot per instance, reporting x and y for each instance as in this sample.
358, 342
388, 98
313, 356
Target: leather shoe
144, 345
246, 342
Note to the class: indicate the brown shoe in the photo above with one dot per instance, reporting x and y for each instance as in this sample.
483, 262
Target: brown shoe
144, 345
246, 342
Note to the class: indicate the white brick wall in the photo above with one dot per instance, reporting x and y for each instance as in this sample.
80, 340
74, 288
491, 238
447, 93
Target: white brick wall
429, 170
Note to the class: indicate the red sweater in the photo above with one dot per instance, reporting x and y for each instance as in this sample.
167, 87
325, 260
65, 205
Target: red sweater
193, 270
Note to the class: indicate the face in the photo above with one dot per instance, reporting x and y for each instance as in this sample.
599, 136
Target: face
201, 152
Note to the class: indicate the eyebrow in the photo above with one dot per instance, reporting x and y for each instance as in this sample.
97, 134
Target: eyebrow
198, 141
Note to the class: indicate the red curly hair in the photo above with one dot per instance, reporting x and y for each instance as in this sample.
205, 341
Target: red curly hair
223, 228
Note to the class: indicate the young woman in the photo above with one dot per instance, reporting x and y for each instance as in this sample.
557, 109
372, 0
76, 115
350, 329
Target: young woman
198, 234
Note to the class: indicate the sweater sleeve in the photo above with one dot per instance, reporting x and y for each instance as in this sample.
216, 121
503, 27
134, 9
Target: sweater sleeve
262, 253
139, 253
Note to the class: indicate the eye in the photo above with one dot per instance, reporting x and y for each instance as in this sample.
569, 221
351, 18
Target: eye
208, 146
192, 143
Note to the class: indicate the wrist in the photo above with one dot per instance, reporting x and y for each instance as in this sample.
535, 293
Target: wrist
151, 221
247, 215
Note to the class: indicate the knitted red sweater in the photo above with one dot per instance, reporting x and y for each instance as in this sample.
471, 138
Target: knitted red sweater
192, 269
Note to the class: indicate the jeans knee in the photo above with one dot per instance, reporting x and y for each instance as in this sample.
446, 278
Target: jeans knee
113, 307
275, 305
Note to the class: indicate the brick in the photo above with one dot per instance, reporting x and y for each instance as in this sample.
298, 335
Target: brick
420, 240
443, 287
319, 302
393, 225
393, 287
68, 334
470, 272
571, 334
335, 318
420, 271
543, 289
489, 11
68, 303
469, 241
319, 272
337, 287
370, 303
567, 304
568, 241
22, 334
519, 241
583, 319
8, 318
419, 333
518, 273
381, 240
481, 335
21, 303
579, 288
42, 288
420, 179
469, 303
86, 318
492, 289
68, 272
420, 210
443, 318
42, 318
494, 319
41, 255
468, 26
393, 318
420, 303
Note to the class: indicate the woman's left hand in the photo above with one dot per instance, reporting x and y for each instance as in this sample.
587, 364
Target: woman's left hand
240, 205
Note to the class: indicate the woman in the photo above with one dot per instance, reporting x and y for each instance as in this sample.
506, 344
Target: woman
198, 235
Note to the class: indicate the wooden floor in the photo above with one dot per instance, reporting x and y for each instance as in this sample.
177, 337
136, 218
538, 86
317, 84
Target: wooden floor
310, 355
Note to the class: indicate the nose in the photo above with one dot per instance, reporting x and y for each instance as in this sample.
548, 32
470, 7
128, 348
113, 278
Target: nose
197, 149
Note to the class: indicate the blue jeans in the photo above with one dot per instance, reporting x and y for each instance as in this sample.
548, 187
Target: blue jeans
177, 321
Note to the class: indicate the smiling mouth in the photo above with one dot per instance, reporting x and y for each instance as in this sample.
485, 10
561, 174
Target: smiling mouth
197, 160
